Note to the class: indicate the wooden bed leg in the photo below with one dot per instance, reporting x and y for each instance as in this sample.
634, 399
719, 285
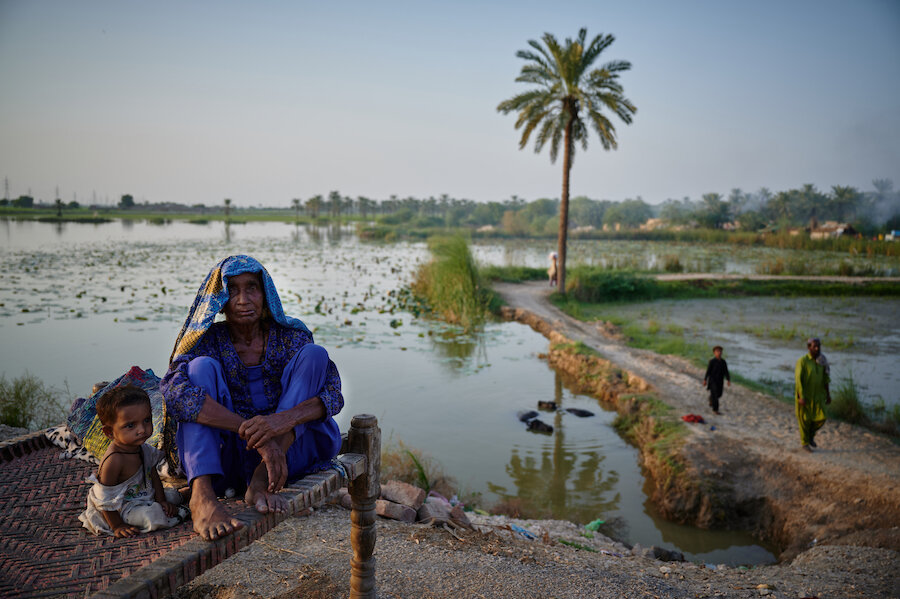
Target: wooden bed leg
364, 438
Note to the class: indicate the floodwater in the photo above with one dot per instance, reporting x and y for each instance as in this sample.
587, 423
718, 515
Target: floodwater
81, 303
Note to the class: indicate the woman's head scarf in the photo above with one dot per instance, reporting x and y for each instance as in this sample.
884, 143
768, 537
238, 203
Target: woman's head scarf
213, 295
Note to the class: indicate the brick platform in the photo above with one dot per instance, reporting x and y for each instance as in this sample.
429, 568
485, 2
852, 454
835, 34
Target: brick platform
45, 552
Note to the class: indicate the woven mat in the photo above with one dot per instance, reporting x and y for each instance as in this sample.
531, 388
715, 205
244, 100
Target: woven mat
45, 551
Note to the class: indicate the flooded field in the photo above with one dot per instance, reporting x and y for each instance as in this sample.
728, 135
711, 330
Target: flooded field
764, 337
656, 256
83, 303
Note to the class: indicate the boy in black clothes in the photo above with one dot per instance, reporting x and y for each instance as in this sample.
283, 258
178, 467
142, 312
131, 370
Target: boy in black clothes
716, 373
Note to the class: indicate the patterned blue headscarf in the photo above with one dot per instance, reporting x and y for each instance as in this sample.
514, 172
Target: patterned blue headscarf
213, 295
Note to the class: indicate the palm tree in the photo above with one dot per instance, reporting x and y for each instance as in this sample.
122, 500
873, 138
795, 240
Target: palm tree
567, 89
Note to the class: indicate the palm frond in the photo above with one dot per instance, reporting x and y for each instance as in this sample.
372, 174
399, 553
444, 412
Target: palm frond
604, 129
567, 86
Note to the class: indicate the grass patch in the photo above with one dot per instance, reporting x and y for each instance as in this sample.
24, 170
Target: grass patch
513, 274
596, 285
579, 348
412, 466
647, 416
577, 545
845, 404
26, 402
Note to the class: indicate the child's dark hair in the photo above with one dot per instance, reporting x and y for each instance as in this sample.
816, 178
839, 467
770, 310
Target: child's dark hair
718, 347
110, 402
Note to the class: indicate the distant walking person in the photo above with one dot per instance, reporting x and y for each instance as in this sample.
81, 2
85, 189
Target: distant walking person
714, 379
552, 273
811, 393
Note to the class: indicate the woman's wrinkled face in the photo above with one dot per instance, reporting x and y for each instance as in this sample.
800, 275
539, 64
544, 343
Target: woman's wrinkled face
245, 299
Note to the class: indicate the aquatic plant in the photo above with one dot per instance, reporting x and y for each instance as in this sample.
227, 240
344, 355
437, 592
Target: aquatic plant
26, 402
451, 285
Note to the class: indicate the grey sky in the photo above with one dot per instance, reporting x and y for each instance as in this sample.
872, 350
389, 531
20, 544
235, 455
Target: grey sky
263, 102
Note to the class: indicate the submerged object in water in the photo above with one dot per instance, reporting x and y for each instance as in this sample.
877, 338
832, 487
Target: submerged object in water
546, 405
579, 412
539, 426
526, 415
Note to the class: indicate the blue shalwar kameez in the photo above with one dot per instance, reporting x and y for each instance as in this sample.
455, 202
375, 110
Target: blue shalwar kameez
293, 370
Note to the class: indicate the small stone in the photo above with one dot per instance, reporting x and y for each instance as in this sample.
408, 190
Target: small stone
404, 493
459, 517
433, 512
764, 592
665, 569
394, 511
347, 501
665, 555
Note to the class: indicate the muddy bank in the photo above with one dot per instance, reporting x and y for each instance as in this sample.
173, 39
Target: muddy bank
747, 473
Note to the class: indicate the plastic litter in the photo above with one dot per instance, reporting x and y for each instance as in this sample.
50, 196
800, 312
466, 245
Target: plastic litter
522, 532
693, 418
595, 525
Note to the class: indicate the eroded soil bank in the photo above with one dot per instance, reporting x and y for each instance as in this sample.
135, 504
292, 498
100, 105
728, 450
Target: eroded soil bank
749, 471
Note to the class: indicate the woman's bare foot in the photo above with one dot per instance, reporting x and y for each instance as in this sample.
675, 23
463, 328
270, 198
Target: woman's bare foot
211, 520
258, 494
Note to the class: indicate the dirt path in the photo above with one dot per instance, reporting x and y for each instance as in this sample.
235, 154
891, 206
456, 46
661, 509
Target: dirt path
850, 484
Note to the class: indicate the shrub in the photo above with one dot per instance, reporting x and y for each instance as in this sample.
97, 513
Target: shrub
673, 264
25, 402
594, 285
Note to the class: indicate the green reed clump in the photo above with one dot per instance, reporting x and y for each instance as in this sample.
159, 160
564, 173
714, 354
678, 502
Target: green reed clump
26, 402
845, 404
451, 285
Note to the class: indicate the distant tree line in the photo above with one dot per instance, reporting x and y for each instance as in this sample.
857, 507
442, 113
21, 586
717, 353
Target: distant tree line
868, 211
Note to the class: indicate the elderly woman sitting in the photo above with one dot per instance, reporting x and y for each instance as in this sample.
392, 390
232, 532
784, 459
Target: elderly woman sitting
252, 395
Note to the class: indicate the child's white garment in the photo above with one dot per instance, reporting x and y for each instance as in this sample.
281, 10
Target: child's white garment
133, 499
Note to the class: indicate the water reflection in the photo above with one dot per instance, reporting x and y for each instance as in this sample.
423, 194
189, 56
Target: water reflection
565, 480
456, 349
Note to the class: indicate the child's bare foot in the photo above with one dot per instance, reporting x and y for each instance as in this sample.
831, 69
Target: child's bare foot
211, 520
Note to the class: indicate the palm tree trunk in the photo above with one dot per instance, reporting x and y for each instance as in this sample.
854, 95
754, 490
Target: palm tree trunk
564, 204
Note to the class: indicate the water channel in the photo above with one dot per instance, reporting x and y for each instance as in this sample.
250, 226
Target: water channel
82, 303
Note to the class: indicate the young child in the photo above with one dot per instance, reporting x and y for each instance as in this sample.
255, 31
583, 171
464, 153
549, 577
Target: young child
716, 373
128, 497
